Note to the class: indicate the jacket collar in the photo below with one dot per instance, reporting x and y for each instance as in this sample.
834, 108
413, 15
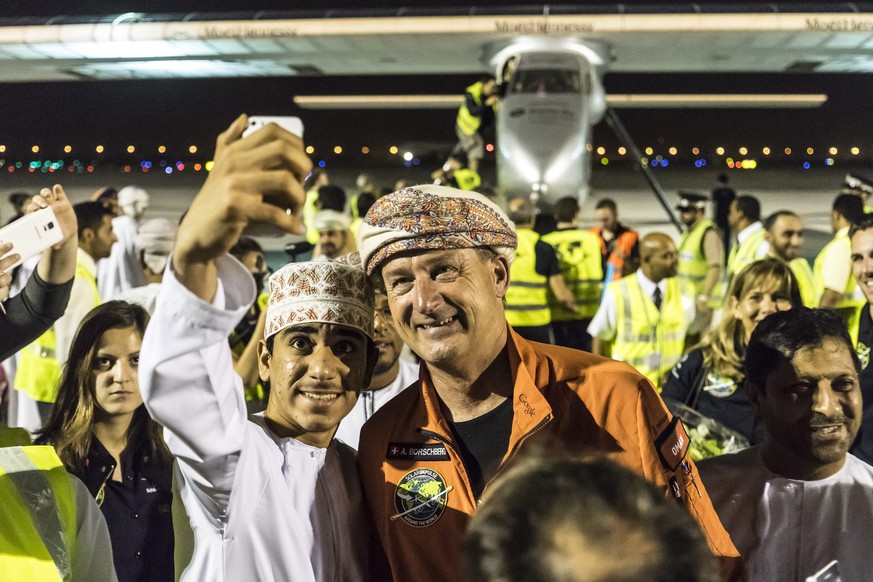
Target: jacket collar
529, 405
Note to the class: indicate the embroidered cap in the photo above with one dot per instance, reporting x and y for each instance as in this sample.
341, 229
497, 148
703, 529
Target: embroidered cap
319, 291
429, 217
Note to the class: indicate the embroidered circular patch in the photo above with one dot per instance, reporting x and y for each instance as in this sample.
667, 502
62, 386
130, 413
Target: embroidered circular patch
421, 497
719, 386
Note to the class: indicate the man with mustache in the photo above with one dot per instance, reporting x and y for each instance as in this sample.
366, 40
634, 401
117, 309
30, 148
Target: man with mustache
799, 501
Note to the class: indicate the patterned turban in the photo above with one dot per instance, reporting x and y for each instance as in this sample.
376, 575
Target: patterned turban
319, 291
432, 217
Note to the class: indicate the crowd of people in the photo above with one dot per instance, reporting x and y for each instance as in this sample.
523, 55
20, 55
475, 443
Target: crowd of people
442, 392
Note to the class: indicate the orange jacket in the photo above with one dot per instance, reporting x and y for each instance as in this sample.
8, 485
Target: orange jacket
622, 251
417, 489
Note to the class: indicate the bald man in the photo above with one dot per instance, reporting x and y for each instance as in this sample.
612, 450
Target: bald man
644, 318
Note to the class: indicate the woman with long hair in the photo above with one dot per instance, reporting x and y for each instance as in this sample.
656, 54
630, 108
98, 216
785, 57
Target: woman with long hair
103, 434
709, 378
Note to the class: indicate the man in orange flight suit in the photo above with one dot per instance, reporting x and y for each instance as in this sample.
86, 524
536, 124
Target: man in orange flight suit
485, 392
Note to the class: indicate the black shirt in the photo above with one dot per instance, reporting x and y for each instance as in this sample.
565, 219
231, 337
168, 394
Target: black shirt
137, 512
483, 443
863, 447
546, 262
718, 398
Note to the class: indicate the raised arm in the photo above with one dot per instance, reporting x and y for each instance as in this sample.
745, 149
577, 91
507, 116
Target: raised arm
256, 179
186, 370
47, 292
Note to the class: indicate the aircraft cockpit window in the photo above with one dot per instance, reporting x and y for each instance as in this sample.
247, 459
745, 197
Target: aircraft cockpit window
546, 81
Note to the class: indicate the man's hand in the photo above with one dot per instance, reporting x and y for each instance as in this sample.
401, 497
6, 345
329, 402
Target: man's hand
57, 265
269, 165
63, 209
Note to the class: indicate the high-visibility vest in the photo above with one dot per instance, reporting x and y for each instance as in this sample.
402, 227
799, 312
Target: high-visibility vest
850, 304
742, 255
39, 366
805, 281
692, 261
649, 341
466, 179
526, 300
37, 515
467, 122
580, 259
309, 211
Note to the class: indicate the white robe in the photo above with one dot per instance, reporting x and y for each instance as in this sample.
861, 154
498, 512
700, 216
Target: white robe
262, 507
121, 270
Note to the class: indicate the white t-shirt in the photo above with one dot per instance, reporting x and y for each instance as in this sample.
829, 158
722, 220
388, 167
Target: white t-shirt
787, 529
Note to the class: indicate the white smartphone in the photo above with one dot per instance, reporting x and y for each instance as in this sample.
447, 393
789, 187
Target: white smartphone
32, 234
291, 124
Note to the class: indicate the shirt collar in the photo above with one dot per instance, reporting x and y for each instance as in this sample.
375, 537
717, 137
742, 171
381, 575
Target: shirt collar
749, 231
648, 285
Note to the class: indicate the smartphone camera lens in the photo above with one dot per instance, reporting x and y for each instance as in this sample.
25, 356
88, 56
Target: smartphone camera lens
50, 225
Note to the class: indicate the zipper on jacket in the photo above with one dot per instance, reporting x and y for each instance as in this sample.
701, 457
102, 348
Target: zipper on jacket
515, 449
452, 446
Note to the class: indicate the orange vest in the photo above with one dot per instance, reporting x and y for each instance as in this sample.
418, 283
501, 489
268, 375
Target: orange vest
624, 245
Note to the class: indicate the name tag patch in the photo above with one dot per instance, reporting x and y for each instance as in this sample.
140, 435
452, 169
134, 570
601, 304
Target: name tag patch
672, 444
416, 452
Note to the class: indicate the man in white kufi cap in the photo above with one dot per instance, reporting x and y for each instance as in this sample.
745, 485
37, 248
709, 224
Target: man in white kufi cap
272, 496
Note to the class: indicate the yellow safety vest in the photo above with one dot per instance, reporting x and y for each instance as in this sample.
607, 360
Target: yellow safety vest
692, 262
467, 179
37, 515
581, 266
805, 281
849, 306
649, 341
39, 366
526, 301
742, 255
309, 211
467, 122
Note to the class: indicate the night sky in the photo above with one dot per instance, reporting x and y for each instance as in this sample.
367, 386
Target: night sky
177, 113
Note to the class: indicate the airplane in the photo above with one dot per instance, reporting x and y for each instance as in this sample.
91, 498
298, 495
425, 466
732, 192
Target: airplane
567, 40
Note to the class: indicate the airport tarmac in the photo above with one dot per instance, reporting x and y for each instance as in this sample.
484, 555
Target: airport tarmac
807, 192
